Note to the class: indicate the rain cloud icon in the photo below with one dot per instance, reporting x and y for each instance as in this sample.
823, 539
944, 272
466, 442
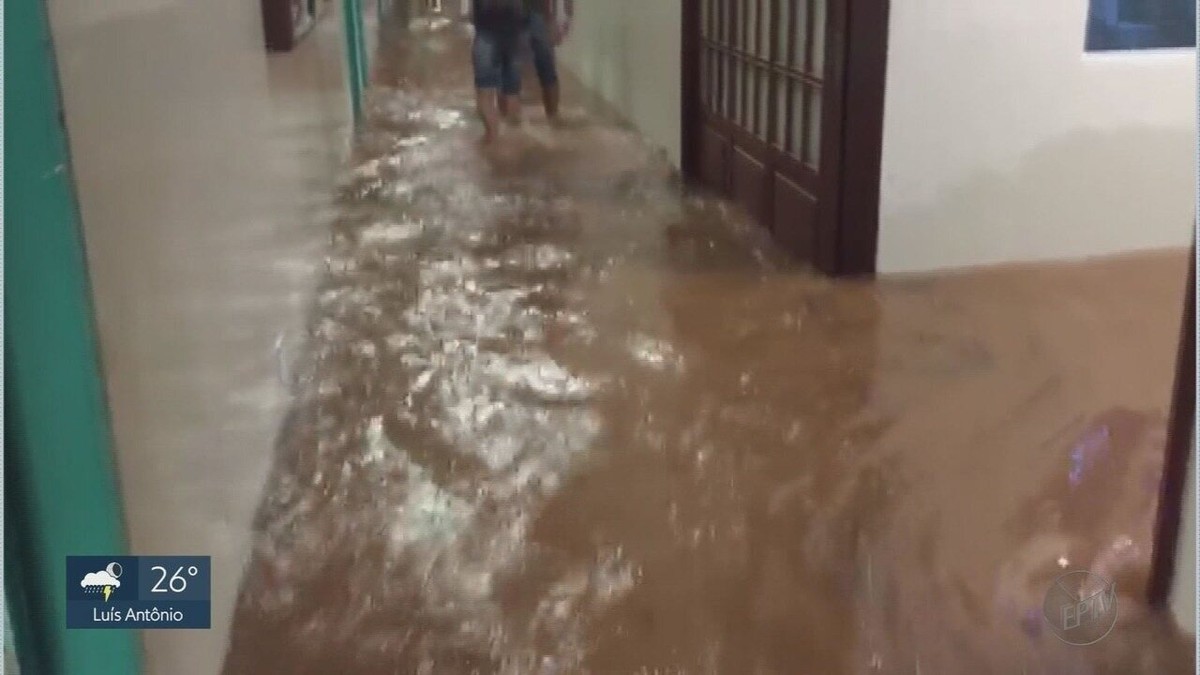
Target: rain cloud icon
103, 581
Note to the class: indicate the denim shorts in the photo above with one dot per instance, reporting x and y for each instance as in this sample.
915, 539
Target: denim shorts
543, 49
497, 66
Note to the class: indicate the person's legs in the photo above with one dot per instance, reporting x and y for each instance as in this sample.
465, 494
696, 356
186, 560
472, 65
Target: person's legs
544, 62
510, 79
485, 57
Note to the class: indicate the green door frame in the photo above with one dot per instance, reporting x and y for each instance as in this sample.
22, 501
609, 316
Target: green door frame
60, 487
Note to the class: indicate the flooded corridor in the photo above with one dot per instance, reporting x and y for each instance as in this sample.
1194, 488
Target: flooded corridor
554, 414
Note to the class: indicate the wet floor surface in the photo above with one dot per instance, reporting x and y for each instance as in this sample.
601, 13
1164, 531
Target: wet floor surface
555, 415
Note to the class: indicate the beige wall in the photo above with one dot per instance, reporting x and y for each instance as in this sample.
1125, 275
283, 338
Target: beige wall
201, 167
629, 52
1183, 590
1004, 141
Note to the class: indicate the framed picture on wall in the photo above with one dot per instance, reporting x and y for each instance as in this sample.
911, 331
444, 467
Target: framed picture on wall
1126, 25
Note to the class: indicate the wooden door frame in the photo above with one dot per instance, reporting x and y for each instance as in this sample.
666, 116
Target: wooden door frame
848, 231
1181, 428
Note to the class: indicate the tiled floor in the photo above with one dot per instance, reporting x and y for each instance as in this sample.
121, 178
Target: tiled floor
205, 187
555, 416
11, 667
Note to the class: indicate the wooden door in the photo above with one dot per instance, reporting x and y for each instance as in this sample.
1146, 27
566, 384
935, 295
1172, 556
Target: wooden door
766, 115
1181, 427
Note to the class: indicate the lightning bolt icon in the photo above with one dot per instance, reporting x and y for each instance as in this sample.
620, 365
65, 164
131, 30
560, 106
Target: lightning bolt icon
107, 592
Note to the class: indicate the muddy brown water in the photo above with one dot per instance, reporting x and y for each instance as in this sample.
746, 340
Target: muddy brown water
555, 415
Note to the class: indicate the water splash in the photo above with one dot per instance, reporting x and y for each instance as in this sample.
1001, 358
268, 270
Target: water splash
1086, 452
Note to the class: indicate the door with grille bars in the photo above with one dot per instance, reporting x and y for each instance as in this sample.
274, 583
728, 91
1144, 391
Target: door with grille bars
769, 108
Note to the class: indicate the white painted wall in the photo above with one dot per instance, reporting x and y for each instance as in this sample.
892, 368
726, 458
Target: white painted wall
1005, 141
629, 52
1183, 588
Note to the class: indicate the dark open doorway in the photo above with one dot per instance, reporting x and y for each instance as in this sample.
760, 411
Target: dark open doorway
783, 113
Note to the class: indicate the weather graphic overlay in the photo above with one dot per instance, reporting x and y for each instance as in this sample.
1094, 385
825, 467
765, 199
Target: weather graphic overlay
103, 581
139, 592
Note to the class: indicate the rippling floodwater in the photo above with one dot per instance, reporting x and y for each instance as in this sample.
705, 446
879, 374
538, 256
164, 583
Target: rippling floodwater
556, 416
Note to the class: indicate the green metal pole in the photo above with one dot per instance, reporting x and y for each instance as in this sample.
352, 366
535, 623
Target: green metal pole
364, 58
60, 493
355, 52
